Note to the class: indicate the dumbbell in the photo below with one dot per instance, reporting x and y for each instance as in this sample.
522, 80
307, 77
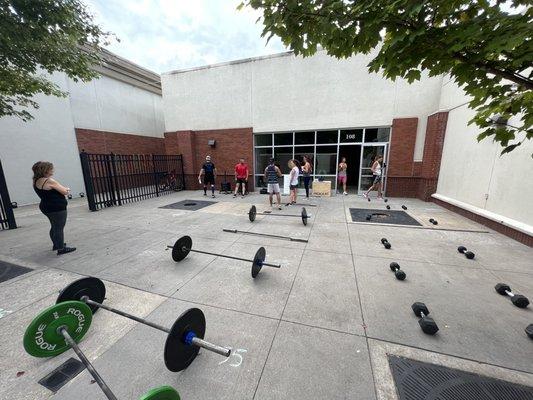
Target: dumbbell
517, 299
69, 196
468, 254
427, 324
60, 328
404, 207
184, 339
388, 207
81, 194
529, 331
385, 243
395, 267
369, 217
385, 200
433, 221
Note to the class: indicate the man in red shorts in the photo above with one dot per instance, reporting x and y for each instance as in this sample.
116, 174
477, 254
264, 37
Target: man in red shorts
241, 177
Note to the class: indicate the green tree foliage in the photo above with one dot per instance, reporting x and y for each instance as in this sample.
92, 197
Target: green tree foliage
43, 35
486, 46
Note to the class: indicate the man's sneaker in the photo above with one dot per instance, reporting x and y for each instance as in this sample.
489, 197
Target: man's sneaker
345, 193
66, 250
213, 196
205, 194
57, 248
279, 207
234, 195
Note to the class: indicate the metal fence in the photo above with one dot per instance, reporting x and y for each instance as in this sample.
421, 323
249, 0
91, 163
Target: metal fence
7, 218
113, 179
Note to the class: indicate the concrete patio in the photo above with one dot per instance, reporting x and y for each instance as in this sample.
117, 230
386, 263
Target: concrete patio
319, 327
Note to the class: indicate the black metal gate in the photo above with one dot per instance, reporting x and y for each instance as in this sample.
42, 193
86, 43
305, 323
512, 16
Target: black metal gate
116, 179
7, 218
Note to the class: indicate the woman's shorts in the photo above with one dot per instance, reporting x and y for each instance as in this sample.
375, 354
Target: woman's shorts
377, 179
342, 178
292, 187
273, 188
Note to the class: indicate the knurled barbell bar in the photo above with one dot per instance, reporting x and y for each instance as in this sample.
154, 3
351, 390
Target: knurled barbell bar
183, 246
266, 235
60, 328
303, 215
184, 338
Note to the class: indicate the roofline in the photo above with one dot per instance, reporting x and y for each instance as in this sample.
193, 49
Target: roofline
122, 69
223, 64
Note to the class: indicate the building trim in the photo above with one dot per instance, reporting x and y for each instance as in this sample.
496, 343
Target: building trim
500, 220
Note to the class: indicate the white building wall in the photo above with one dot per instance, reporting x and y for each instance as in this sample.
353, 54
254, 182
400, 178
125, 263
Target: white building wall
284, 92
107, 104
103, 104
48, 137
475, 176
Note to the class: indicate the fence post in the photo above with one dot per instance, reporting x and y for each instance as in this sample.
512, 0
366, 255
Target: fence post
87, 179
6, 200
111, 186
114, 178
154, 168
182, 173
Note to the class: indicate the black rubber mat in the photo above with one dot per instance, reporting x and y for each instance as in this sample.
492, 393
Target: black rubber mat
382, 216
9, 271
60, 376
191, 205
416, 380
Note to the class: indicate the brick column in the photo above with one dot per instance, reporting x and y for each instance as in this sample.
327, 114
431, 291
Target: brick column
400, 180
433, 145
182, 142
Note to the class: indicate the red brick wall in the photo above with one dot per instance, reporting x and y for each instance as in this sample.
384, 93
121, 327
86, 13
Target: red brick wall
231, 144
103, 142
400, 181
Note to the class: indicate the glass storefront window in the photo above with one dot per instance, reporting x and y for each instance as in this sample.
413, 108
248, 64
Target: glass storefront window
283, 139
300, 152
326, 160
327, 137
262, 155
304, 137
263, 140
282, 155
377, 135
351, 136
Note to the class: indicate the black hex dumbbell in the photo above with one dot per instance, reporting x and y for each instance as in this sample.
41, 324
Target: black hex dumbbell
529, 331
388, 207
427, 324
368, 217
468, 254
433, 221
385, 243
404, 207
385, 200
395, 267
517, 299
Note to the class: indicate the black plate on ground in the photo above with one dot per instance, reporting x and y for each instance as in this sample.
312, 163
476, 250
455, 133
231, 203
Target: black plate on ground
91, 287
181, 248
178, 354
252, 213
191, 205
395, 217
9, 271
257, 264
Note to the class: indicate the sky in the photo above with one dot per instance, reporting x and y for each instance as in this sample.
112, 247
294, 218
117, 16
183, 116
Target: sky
165, 35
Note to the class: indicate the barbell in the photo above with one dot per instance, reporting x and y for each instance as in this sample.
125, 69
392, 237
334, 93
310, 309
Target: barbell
303, 215
183, 246
184, 338
60, 328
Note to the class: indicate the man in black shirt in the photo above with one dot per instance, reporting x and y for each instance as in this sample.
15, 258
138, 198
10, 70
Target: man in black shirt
209, 172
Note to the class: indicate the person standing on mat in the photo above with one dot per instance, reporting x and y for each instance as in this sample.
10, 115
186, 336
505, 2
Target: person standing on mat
294, 165
209, 172
53, 203
376, 177
307, 169
272, 174
342, 174
241, 177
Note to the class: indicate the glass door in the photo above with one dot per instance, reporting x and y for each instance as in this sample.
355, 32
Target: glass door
370, 151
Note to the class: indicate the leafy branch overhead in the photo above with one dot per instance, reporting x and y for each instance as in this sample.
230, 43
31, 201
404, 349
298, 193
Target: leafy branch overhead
486, 46
44, 36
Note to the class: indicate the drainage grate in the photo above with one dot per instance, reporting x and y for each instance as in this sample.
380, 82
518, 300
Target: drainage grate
383, 216
416, 380
192, 205
60, 376
9, 271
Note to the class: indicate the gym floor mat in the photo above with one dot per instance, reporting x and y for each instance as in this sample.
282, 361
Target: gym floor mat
60, 376
394, 217
416, 380
192, 205
9, 271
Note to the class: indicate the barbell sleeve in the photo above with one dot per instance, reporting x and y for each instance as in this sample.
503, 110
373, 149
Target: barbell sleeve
109, 394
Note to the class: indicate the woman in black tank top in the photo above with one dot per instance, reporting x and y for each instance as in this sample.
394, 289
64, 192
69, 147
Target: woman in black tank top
53, 203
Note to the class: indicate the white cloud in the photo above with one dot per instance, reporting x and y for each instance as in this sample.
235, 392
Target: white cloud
164, 35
